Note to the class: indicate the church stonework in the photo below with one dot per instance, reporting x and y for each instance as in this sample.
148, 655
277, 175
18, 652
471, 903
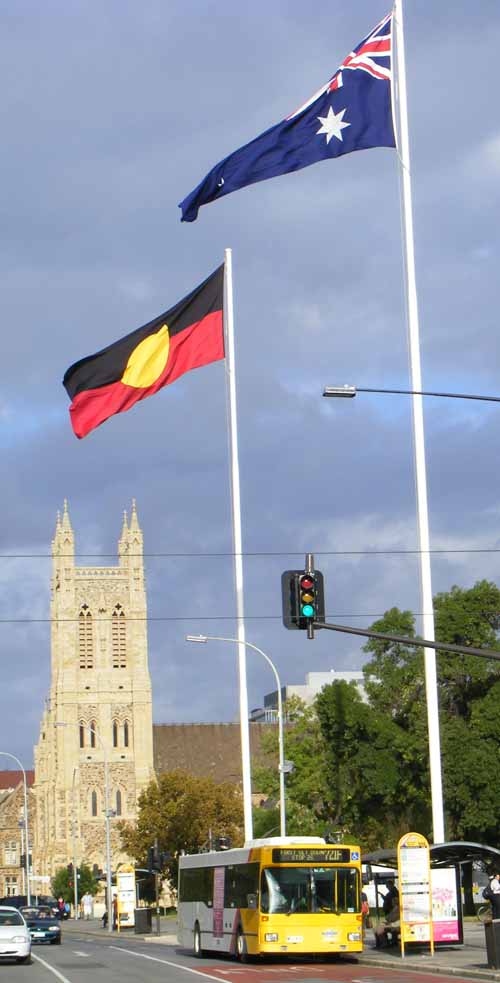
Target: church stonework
99, 709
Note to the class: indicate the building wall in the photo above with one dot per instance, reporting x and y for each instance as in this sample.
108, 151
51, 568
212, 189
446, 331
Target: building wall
12, 842
212, 750
99, 711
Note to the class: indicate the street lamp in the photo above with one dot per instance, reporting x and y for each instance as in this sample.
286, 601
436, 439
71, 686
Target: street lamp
107, 812
246, 764
26, 825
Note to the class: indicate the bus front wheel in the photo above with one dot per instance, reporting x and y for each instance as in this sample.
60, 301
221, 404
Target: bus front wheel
198, 951
241, 947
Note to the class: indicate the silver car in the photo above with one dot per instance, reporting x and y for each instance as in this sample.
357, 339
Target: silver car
15, 937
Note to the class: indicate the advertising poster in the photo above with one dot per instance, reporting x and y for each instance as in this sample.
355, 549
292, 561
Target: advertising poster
445, 911
125, 889
218, 913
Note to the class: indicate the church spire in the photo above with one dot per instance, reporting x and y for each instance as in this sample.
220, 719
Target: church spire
123, 542
135, 532
66, 539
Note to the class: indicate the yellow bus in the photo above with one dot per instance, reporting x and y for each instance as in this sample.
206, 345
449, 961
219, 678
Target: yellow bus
276, 895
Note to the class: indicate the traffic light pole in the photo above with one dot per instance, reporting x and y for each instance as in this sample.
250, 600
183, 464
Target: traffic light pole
417, 642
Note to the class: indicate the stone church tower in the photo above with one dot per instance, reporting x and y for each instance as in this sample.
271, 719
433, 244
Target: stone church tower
101, 691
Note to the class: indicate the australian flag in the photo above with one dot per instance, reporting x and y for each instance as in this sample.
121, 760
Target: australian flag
353, 111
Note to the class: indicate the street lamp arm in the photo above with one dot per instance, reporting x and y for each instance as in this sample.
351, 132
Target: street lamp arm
223, 638
351, 391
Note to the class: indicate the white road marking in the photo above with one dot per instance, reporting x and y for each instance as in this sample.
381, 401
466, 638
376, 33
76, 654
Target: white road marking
64, 979
166, 962
84, 955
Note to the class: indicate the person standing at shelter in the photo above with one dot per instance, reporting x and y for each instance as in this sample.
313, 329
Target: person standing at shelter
87, 903
495, 895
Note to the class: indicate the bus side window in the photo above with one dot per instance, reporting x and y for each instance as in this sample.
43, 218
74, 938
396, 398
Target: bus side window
242, 882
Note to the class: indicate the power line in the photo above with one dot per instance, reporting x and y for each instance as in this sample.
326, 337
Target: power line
257, 553
195, 617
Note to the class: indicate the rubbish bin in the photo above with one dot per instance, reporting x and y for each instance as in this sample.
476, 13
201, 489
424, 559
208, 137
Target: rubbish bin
143, 921
492, 935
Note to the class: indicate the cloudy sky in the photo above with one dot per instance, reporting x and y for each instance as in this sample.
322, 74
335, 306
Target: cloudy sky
111, 113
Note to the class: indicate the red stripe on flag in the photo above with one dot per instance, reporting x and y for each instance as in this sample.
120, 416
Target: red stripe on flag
199, 344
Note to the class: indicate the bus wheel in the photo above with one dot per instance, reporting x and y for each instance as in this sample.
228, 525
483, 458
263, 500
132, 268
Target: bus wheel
198, 951
241, 947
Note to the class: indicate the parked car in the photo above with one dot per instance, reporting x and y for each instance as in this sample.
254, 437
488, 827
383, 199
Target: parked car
21, 900
43, 925
15, 937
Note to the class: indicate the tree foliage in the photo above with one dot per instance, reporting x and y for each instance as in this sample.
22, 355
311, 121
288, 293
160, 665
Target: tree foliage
63, 883
363, 766
181, 812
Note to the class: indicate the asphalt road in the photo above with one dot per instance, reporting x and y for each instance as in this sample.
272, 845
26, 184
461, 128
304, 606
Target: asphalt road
86, 959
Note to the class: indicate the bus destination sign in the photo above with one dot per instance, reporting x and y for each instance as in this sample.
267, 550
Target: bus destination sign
307, 855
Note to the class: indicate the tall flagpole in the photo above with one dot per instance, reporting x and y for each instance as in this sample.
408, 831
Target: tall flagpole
237, 542
418, 440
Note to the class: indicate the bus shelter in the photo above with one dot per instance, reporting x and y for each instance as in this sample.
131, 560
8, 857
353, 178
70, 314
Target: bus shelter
447, 861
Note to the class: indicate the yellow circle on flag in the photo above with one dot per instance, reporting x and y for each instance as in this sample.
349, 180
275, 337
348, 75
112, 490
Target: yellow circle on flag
148, 359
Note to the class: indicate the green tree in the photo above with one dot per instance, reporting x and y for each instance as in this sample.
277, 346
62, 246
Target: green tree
469, 702
305, 785
181, 811
367, 770
63, 883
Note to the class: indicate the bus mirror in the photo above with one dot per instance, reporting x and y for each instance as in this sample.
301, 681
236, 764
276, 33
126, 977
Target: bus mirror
251, 901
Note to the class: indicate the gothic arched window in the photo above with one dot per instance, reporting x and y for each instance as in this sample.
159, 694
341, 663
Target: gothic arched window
115, 733
119, 638
92, 731
82, 734
93, 803
85, 638
125, 734
118, 802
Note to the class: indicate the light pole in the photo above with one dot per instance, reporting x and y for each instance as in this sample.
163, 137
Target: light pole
107, 813
26, 825
219, 638
73, 836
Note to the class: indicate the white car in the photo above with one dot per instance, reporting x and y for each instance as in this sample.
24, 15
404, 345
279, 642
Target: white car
15, 936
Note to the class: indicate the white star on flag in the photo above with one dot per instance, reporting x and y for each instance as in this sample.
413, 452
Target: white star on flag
332, 124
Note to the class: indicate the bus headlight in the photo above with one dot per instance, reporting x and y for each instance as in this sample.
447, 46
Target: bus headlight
354, 936
271, 937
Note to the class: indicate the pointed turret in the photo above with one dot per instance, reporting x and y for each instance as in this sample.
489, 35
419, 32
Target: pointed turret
67, 537
56, 542
123, 542
136, 542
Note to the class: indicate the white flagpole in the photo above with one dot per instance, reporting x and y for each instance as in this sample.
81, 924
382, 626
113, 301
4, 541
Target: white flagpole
237, 542
418, 439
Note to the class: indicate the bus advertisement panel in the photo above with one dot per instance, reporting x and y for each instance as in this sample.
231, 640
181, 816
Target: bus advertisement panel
272, 896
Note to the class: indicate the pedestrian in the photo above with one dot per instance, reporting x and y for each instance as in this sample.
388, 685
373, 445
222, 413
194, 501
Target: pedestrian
87, 904
493, 895
60, 906
115, 912
105, 918
390, 907
365, 912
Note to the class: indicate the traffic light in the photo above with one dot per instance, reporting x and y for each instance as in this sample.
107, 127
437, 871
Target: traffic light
157, 859
303, 598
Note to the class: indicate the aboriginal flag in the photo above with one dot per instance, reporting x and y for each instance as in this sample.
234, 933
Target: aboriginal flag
183, 338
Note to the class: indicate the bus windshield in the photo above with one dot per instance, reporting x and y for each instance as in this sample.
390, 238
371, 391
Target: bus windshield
285, 890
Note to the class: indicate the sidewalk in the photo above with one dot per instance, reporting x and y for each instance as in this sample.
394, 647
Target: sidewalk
467, 961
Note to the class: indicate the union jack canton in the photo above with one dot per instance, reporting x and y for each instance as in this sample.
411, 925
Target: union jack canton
354, 110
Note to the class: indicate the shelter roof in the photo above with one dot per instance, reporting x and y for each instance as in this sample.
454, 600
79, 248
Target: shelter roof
443, 855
